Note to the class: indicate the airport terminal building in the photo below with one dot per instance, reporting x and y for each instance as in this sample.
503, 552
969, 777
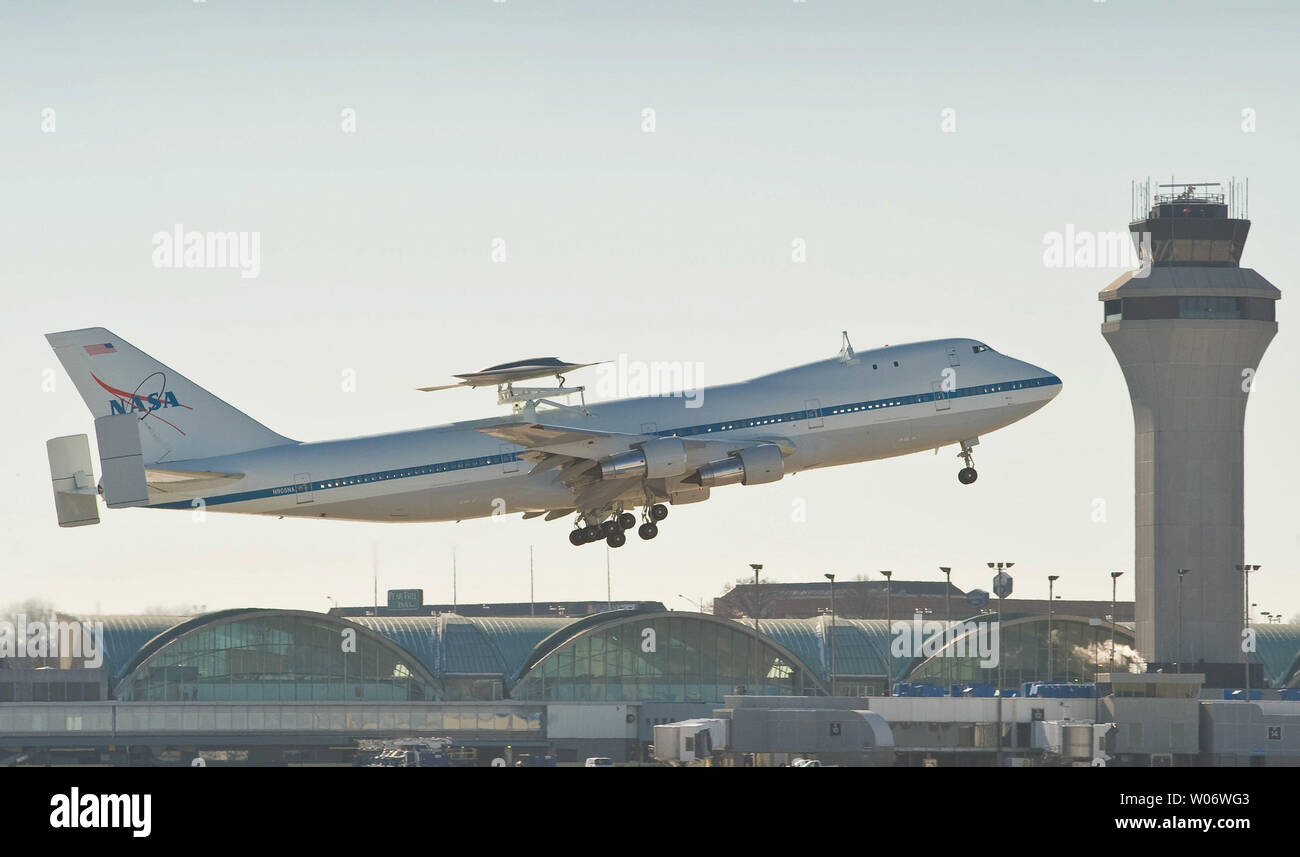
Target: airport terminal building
289, 685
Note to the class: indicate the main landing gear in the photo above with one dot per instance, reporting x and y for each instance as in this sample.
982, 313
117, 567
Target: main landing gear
967, 474
613, 530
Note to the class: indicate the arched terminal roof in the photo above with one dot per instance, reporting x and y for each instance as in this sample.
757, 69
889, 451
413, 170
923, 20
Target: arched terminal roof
625, 655
510, 649
257, 654
124, 636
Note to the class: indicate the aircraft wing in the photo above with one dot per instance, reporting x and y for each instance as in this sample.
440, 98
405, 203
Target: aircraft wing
564, 440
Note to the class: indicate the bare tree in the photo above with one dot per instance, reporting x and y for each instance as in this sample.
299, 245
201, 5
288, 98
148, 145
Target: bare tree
753, 600
32, 608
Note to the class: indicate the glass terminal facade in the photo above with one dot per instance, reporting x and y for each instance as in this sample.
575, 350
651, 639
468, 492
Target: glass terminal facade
277, 656
1078, 652
662, 659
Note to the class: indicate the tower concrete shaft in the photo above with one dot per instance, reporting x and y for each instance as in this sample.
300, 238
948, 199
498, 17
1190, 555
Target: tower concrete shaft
1189, 331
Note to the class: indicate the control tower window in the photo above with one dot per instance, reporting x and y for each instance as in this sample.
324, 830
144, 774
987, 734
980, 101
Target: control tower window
1190, 307
1209, 308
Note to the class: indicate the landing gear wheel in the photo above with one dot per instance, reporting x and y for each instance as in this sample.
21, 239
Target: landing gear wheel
967, 475
592, 533
658, 512
627, 520
577, 537
616, 539
647, 531
610, 527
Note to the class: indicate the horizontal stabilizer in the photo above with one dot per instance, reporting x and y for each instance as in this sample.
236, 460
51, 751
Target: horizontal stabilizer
169, 480
73, 476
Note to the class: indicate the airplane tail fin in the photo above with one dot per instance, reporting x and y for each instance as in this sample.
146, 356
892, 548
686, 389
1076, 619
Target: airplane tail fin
178, 419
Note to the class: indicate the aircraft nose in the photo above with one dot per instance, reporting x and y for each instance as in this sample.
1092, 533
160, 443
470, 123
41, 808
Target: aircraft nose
1048, 379
1043, 378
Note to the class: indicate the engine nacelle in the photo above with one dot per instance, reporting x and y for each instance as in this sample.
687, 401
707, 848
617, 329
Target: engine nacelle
661, 458
751, 466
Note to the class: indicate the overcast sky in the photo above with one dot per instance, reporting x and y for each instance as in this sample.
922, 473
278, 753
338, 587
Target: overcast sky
921, 150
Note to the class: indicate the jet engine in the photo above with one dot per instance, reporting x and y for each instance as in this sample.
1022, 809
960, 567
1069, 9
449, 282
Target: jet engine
661, 458
750, 466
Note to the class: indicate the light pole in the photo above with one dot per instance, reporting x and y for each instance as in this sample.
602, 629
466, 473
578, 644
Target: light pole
1245, 570
889, 630
1114, 582
1096, 647
757, 566
1182, 572
947, 606
1000, 592
1051, 673
831, 578
1096, 664
697, 604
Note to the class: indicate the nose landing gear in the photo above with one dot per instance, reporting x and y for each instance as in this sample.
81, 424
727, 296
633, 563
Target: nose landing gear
967, 474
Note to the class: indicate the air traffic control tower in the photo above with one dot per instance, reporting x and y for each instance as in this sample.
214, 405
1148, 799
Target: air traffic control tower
1189, 329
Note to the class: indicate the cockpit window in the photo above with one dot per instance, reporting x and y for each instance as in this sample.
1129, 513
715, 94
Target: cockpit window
978, 348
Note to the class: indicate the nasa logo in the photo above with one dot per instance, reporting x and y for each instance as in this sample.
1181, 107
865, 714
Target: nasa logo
141, 402
151, 402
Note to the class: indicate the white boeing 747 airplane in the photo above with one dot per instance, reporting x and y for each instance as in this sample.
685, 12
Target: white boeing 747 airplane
167, 443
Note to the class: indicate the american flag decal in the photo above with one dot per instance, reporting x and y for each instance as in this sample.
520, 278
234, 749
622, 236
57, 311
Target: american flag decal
104, 348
